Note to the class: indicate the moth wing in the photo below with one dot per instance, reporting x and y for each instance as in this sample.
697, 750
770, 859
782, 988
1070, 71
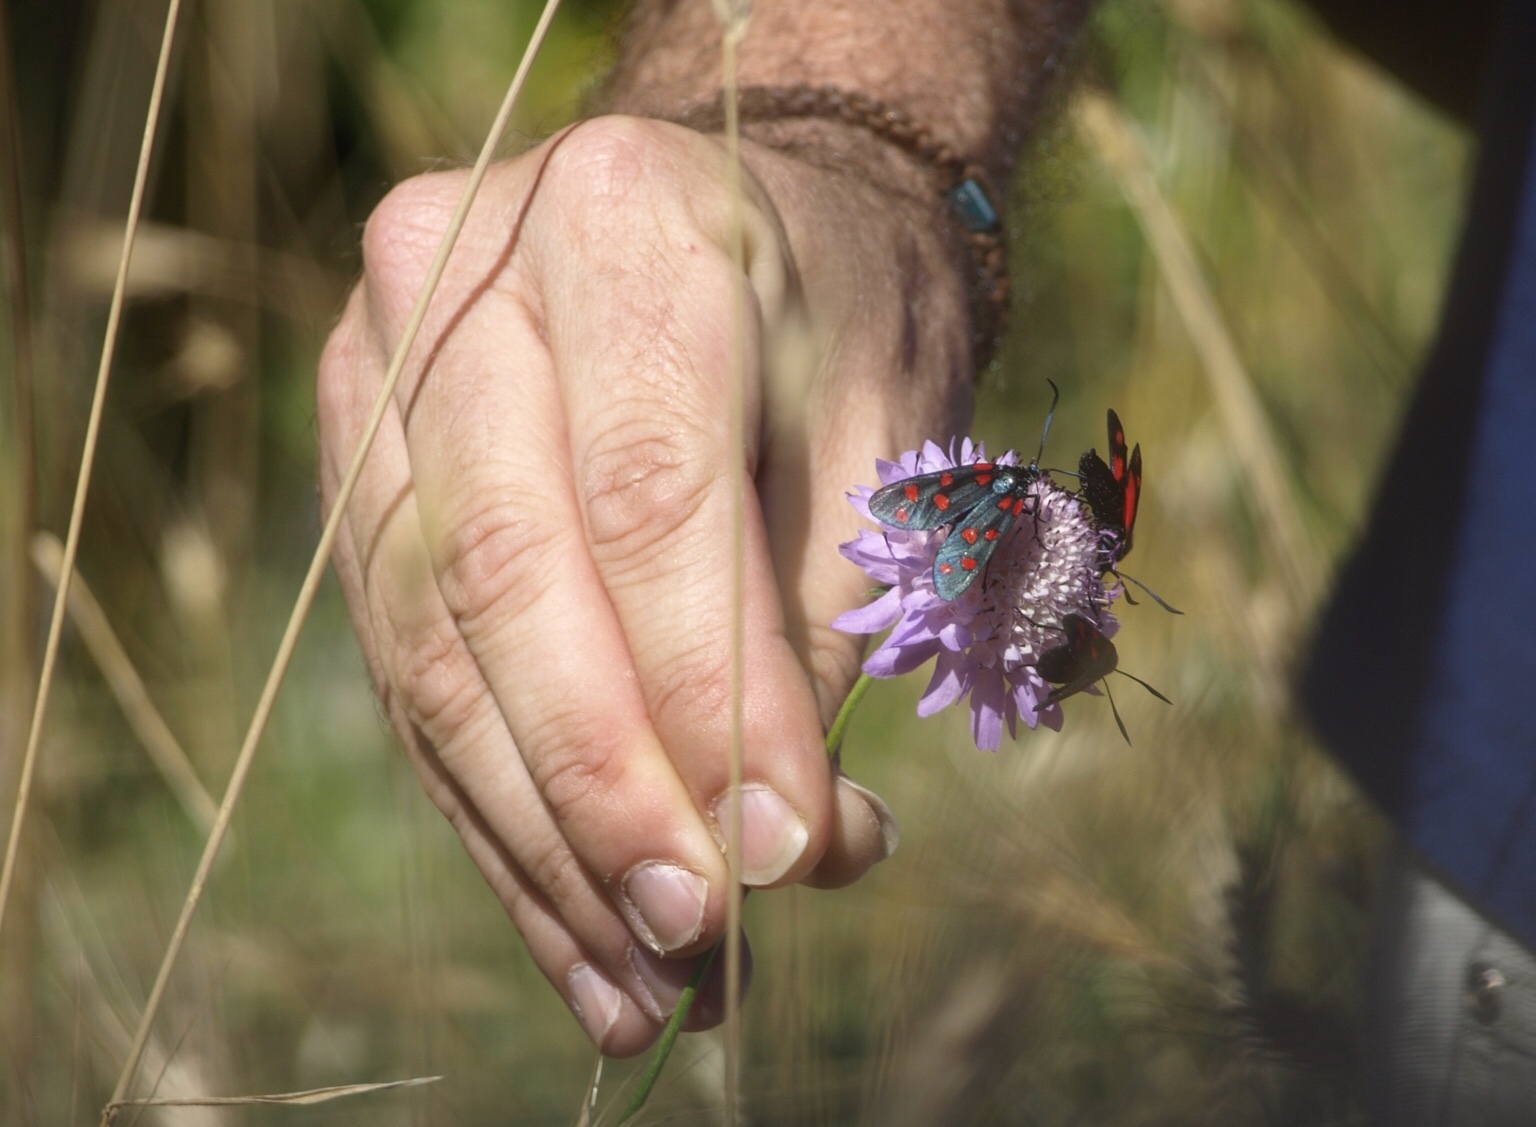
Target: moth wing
1117, 448
1113, 489
1096, 653
970, 544
1058, 665
930, 500
1085, 658
1131, 501
1099, 488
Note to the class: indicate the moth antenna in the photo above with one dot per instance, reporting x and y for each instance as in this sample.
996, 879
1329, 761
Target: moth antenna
1144, 685
1126, 736
1049, 415
1156, 598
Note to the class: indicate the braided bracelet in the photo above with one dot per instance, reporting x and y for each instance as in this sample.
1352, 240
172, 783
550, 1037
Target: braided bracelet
964, 183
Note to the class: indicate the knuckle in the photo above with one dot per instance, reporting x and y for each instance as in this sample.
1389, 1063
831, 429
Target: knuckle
434, 680
403, 231
579, 771
609, 160
693, 688
630, 200
641, 485
555, 871
489, 560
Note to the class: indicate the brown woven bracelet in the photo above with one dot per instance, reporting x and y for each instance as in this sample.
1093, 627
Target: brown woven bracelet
963, 181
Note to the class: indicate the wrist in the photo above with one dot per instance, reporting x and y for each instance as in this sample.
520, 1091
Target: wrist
971, 70
867, 236
853, 136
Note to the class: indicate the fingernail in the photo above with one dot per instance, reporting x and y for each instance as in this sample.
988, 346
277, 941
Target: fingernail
772, 834
661, 981
664, 980
595, 1001
665, 904
890, 829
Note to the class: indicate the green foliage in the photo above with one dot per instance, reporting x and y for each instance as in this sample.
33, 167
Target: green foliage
1073, 931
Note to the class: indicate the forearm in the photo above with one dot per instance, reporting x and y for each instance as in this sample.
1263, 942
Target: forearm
974, 72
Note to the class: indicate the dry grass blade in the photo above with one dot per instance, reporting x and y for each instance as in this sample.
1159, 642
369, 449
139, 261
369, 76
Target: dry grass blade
171, 260
322, 554
19, 431
18, 517
87, 459
1242, 415
292, 1099
733, 18
126, 685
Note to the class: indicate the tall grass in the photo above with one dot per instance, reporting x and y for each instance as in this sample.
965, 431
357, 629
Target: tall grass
1072, 931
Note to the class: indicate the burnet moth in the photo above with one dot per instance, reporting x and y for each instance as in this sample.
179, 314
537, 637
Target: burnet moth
1112, 491
980, 502
1084, 658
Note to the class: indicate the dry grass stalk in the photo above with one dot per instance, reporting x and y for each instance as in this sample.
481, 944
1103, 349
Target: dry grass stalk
305, 1098
18, 516
127, 686
322, 554
171, 260
733, 20
87, 458
1248, 432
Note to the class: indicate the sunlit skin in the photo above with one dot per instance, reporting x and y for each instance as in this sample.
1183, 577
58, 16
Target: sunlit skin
537, 559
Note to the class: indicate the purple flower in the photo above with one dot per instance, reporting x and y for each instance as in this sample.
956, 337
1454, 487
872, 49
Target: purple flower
987, 641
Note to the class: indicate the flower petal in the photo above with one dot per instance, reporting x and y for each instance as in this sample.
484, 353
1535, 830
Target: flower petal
986, 641
893, 661
987, 696
884, 570
889, 472
948, 685
914, 628
932, 457
873, 618
955, 636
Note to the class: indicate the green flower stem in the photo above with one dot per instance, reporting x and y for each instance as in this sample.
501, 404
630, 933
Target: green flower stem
669, 1036
844, 714
674, 1025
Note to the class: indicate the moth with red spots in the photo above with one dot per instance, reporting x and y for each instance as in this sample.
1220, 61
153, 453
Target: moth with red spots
1113, 492
1113, 489
1084, 658
980, 501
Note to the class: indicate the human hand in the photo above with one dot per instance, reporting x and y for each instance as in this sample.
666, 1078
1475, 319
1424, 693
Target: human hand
537, 558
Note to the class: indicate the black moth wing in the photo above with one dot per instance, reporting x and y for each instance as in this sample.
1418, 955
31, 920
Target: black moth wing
1084, 658
1130, 500
970, 544
1113, 489
1100, 489
930, 500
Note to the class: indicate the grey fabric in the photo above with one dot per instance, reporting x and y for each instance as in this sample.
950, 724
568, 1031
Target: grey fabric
1450, 1011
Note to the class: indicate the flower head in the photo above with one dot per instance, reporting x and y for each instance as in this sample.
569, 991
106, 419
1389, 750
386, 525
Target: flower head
987, 641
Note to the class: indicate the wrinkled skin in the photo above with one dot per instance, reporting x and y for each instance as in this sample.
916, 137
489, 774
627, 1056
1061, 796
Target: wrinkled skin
537, 557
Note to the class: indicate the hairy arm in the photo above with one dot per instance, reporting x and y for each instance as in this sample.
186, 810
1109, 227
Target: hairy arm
975, 71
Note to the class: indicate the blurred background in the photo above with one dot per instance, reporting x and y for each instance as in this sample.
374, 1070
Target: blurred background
1236, 235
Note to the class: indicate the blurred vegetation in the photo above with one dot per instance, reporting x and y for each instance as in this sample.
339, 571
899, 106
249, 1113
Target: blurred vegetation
1073, 930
